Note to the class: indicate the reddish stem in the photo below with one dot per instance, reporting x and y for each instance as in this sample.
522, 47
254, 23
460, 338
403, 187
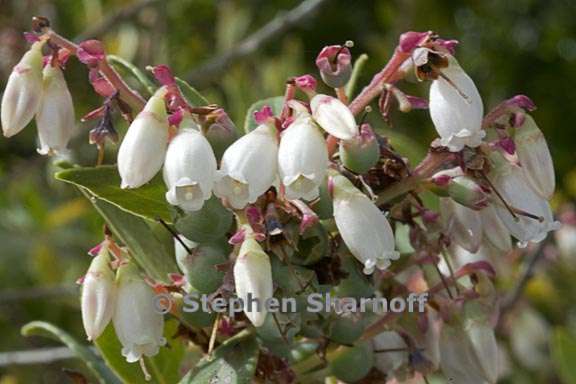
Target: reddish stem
128, 94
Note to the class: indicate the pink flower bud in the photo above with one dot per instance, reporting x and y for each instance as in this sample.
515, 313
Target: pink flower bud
55, 119
456, 108
143, 149
189, 168
137, 321
248, 167
334, 117
98, 295
302, 159
23, 93
253, 280
335, 65
363, 227
91, 52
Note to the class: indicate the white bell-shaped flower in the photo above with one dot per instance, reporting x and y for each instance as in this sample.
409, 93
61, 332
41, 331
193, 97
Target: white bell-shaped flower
388, 362
363, 227
456, 108
509, 180
248, 167
143, 149
55, 119
253, 280
23, 92
189, 168
494, 229
98, 295
334, 117
462, 224
302, 159
138, 323
535, 158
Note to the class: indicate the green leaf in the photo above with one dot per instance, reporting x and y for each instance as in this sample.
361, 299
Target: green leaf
146, 248
563, 346
83, 352
131, 69
207, 225
276, 103
234, 362
356, 72
164, 367
192, 96
103, 182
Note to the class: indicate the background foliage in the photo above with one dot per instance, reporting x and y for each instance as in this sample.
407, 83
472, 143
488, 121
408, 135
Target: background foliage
508, 47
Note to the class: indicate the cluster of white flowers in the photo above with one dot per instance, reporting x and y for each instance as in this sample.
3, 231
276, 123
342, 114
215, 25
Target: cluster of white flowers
33, 91
126, 300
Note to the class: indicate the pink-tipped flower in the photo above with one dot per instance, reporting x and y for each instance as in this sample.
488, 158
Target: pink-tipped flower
138, 323
143, 149
189, 168
23, 92
98, 294
456, 108
302, 159
55, 119
535, 158
248, 167
363, 227
253, 280
334, 117
335, 65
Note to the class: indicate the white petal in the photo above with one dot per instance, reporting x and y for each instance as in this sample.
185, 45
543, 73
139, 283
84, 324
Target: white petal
334, 117
462, 224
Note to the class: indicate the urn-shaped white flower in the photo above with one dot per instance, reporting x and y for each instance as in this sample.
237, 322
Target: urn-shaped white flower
334, 117
389, 362
462, 224
535, 158
495, 232
23, 92
138, 324
456, 108
253, 280
302, 159
248, 167
143, 149
510, 181
55, 119
189, 168
98, 295
363, 227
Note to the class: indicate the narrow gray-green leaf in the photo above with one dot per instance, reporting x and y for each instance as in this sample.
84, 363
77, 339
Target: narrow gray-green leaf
103, 182
234, 362
83, 352
276, 103
131, 69
192, 96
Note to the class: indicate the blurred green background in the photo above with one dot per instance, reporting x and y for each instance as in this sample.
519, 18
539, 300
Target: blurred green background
508, 47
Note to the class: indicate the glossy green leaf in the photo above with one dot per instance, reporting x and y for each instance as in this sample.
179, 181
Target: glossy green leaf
83, 352
131, 69
276, 103
103, 182
164, 367
192, 96
233, 362
563, 348
144, 245
207, 225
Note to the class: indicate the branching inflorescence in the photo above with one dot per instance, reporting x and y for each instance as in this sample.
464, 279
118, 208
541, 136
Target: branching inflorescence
318, 195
